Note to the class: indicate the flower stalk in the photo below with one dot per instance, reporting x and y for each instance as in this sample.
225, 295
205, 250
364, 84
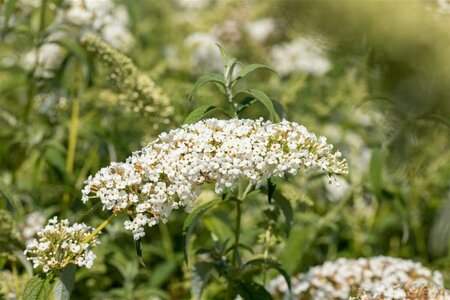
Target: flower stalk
71, 147
100, 228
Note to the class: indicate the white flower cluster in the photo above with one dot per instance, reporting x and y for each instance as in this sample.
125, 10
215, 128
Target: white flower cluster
46, 60
101, 16
193, 4
341, 278
167, 174
304, 54
443, 6
406, 292
31, 225
95, 16
59, 244
261, 29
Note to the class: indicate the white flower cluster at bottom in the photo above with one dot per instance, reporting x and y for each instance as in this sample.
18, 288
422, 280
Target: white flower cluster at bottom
59, 244
345, 277
406, 292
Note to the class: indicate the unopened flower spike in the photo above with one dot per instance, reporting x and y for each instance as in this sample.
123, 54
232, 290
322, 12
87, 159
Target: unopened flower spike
168, 173
136, 89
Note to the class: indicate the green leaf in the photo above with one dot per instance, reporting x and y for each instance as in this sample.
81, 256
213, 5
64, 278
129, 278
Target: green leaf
9, 9
75, 48
250, 290
279, 109
138, 248
192, 220
201, 273
64, 285
229, 70
208, 78
202, 112
286, 209
271, 264
162, 272
220, 228
245, 103
250, 68
376, 171
9, 199
295, 245
271, 186
223, 55
38, 288
265, 100
56, 159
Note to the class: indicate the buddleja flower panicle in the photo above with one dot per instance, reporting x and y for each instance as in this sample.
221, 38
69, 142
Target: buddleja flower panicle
168, 173
410, 292
60, 243
341, 278
136, 89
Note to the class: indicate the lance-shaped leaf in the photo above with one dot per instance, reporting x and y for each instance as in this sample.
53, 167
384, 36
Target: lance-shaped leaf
376, 171
201, 273
77, 51
203, 112
286, 208
250, 290
265, 100
249, 69
271, 186
192, 220
261, 262
8, 10
208, 78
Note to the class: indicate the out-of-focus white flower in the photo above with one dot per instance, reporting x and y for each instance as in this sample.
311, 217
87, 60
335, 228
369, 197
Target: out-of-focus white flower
46, 59
301, 55
100, 7
102, 17
261, 29
118, 36
79, 16
31, 225
205, 55
168, 173
120, 15
59, 244
444, 6
341, 278
336, 192
228, 32
31, 3
193, 4
7, 61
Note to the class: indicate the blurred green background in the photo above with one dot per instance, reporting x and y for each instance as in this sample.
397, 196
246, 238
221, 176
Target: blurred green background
371, 76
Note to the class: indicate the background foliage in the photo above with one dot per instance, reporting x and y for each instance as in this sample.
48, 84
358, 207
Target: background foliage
384, 101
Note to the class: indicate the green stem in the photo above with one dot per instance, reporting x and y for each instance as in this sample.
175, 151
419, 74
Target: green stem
99, 228
32, 87
16, 277
167, 241
42, 17
237, 233
71, 147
